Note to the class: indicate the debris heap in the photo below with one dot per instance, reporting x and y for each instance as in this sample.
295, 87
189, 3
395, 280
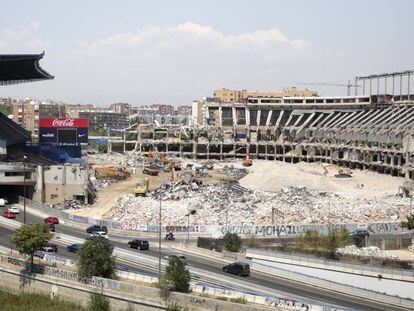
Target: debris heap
233, 204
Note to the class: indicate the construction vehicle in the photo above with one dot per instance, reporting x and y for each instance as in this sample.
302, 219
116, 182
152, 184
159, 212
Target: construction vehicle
247, 161
112, 172
141, 188
151, 170
342, 172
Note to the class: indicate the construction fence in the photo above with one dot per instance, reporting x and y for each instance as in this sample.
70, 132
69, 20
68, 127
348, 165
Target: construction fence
245, 230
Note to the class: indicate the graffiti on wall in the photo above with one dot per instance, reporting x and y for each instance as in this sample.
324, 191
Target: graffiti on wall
385, 227
287, 304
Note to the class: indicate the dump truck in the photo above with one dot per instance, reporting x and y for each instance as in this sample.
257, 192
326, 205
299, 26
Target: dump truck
151, 170
112, 172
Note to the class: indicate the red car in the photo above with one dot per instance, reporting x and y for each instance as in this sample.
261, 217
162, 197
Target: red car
52, 220
8, 214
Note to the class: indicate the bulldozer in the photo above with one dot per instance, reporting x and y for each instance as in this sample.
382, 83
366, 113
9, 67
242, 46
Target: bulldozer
141, 188
342, 172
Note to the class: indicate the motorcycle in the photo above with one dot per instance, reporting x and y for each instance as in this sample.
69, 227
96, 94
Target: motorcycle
170, 237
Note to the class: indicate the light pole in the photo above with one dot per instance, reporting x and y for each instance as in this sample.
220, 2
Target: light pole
192, 212
159, 240
24, 189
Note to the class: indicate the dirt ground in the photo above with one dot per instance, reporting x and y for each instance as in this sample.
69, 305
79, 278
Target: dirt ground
272, 176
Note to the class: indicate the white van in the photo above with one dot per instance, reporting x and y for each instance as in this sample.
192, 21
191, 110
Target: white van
2, 203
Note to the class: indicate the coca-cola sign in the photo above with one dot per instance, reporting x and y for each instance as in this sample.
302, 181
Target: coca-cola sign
63, 122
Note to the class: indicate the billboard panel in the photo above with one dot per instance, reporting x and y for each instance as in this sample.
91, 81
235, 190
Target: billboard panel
63, 131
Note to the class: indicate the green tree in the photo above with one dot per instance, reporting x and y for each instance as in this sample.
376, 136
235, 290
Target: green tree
232, 242
95, 258
177, 277
31, 238
409, 224
98, 302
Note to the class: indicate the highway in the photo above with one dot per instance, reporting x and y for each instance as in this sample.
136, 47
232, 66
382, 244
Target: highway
210, 268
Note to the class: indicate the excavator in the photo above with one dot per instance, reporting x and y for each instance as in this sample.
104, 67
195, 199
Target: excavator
342, 172
141, 188
247, 161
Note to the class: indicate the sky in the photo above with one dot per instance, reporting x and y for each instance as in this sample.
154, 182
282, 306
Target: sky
173, 52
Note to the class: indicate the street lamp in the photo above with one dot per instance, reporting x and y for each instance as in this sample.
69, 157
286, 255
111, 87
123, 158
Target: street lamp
24, 189
160, 191
192, 212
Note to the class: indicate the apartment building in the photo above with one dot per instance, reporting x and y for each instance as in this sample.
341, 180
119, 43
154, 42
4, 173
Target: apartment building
120, 107
104, 119
235, 96
184, 110
28, 112
163, 109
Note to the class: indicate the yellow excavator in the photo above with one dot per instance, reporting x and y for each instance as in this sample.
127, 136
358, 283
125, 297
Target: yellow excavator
342, 172
141, 188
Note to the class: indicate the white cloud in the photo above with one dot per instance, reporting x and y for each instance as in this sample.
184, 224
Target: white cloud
23, 40
179, 63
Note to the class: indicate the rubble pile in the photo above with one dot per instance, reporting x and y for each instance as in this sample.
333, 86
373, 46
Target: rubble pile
74, 205
129, 158
234, 204
233, 172
370, 252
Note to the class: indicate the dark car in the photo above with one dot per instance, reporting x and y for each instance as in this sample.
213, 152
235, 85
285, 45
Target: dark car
360, 233
139, 244
238, 268
96, 228
73, 248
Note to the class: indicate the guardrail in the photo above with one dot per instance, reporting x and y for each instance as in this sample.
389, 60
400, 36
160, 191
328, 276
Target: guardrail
129, 288
338, 287
396, 274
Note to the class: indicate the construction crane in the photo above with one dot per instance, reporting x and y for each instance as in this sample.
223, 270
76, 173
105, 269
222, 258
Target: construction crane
349, 85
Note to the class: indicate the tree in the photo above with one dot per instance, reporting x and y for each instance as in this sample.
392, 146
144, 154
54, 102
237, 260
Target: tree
98, 302
31, 238
409, 224
177, 277
232, 242
95, 258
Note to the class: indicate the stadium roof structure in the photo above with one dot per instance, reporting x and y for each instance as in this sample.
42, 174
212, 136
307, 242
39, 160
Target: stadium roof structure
20, 68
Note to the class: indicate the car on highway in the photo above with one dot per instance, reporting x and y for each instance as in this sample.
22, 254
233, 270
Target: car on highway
52, 220
239, 268
9, 215
360, 233
47, 249
95, 228
52, 245
3, 202
181, 257
73, 248
139, 244
14, 209
51, 227
102, 234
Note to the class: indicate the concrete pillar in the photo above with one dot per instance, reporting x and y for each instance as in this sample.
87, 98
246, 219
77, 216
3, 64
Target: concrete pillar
247, 116
220, 116
233, 114
259, 113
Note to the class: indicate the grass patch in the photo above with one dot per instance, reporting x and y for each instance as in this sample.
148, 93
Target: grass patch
35, 302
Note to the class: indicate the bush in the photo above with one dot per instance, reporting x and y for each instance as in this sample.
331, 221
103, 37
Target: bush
95, 258
177, 277
409, 224
34, 302
232, 242
98, 302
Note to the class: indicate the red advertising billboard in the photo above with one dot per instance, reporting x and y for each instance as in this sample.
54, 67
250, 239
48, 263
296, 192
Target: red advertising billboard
63, 131
63, 122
